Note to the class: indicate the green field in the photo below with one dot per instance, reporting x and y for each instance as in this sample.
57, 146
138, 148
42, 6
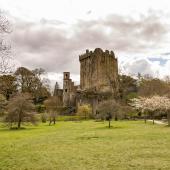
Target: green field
86, 145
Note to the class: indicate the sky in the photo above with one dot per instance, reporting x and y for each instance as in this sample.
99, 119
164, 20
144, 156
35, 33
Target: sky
51, 34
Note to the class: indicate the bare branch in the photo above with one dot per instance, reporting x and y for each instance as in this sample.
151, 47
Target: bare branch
5, 49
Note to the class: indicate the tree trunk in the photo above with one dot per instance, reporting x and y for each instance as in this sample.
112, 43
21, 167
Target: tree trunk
145, 119
50, 122
153, 119
10, 125
116, 118
168, 117
19, 123
109, 123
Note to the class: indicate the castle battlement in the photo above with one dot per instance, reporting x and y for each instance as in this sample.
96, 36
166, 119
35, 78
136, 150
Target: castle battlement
96, 52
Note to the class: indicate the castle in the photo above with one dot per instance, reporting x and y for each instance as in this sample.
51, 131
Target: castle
98, 74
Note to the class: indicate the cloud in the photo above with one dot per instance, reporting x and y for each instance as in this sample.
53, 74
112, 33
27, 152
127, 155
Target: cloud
156, 67
55, 46
123, 33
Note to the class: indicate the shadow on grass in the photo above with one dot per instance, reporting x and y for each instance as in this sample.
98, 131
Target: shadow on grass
52, 125
88, 137
112, 127
4, 129
166, 126
78, 121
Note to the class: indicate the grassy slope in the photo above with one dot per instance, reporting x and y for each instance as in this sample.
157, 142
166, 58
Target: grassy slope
86, 145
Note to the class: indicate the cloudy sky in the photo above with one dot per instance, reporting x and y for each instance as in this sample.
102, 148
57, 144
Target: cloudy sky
52, 33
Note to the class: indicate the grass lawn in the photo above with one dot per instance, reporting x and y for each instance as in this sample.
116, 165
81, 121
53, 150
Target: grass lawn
86, 145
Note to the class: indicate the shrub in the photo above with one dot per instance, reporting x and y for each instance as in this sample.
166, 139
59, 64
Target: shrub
84, 111
44, 117
40, 108
68, 118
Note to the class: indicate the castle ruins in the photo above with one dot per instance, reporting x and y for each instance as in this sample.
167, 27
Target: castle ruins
98, 74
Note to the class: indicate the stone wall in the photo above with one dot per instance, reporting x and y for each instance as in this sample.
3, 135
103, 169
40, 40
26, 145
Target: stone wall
98, 77
59, 94
98, 70
69, 90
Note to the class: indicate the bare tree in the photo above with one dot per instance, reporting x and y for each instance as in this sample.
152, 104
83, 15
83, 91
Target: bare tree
20, 109
53, 106
5, 48
107, 110
153, 86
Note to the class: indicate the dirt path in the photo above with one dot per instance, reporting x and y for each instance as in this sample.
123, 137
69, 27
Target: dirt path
158, 122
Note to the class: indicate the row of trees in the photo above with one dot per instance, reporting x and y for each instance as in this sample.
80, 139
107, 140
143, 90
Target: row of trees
152, 106
29, 86
140, 97
24, 80
20, 92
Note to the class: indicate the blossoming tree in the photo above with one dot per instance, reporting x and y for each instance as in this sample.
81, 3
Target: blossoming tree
152, 105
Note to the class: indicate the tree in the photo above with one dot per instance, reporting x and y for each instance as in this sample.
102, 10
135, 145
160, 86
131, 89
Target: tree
152, 105
41, 86
53, 106
5, 48
30, 82
127, 112
153, 86
20, 109
128, 87
107, 110
8, 85
2, 104
38, 72
24, 79
84, 111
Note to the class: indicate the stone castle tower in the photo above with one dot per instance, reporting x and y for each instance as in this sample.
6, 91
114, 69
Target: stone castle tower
69, 90
66, 88
98, 71
98, 74
58, 92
